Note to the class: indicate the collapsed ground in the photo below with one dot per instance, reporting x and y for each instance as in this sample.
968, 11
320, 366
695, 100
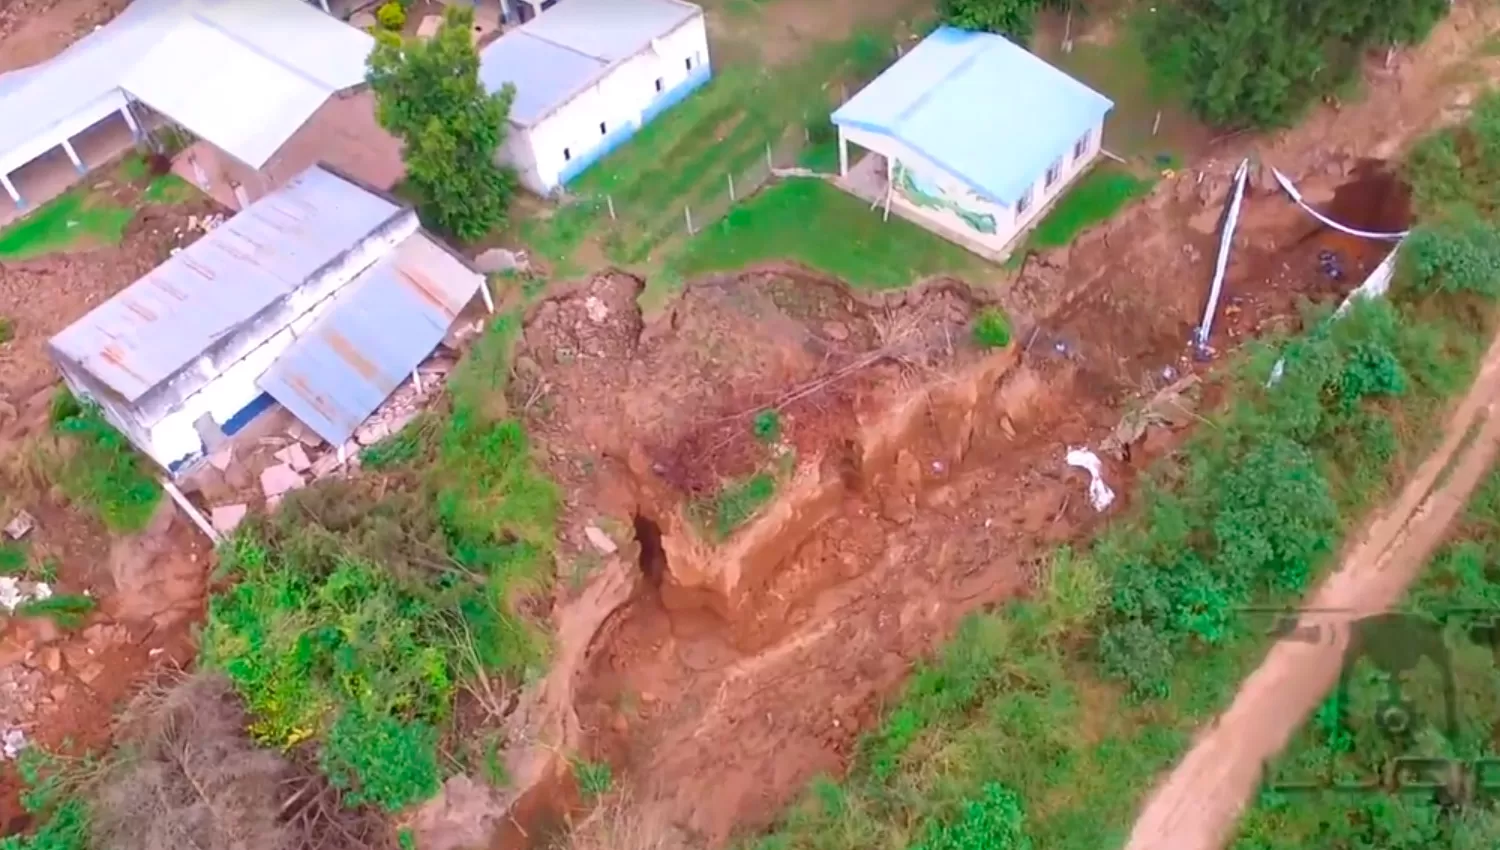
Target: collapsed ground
716, 726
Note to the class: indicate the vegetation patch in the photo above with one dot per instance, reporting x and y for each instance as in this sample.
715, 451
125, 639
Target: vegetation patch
75, 219
733, 505
361, 608
811, 222
1096, 198
100, 469
1077, 699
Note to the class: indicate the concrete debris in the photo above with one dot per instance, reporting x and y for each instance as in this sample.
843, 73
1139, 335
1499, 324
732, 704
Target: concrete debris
222, 458
20, 525
325, 465
304, 435
372, 432
596, 309
600, 540
295, 456
205, 223
12, 742
226, 518
15, 592
498, 260
279, 479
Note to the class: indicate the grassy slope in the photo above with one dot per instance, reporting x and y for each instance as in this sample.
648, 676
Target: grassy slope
811, 222
69, 220
1074, 702
1100, 194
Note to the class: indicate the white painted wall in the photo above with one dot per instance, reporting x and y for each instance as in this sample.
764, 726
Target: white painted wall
54, 135
1008, 223
169, 435
619, 98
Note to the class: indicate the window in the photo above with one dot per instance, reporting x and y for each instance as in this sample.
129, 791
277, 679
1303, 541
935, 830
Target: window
1023, 203
659, 85
1081, 147
1054, 171
603, 129
690, 63
567, 154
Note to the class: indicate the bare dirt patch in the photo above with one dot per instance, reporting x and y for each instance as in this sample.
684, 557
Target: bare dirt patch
33, 31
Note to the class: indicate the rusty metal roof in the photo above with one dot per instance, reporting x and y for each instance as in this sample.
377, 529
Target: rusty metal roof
380, 328
172, 316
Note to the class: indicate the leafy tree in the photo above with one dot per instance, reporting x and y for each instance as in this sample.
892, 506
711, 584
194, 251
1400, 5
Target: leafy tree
428, 93
1013, 18
1257, 62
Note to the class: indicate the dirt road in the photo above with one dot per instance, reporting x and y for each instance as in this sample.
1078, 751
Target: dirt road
1197, 806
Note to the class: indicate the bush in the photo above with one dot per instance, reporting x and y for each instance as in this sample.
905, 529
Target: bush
67, 610
7, 329
101, 469
991, 329
992, 822
391, 17
594, 778
767, 426
1461, 255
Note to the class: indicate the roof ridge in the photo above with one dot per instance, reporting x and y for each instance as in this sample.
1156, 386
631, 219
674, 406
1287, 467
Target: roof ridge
977, 46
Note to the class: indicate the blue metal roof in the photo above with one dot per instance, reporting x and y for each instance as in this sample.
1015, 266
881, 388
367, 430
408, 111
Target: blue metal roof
169, 318
560, 52
989, 112
380, 328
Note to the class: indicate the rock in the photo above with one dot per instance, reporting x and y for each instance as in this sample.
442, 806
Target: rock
497, 260
836, 331
279, 479
90, 672
59, 692
52, 659
295, 456
222, 458
226, 518
20, 525
600, 540
596, 309
325, 466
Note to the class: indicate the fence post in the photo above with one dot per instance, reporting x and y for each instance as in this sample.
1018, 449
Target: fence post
769, 164
609, 200
687, 213
731, 186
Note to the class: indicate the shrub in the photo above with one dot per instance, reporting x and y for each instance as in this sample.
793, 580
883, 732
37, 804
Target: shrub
102, 470
991, 329
382, 761
734, 505
594, 778
7, 329
13, 559
391, 17
1458, 255
67, 610
992, 822
767, 426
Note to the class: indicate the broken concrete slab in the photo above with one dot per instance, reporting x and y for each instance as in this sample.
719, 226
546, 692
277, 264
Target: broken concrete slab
280, 479
222, 458
304, 435
601, 541
294, 456
20, 525
226, 518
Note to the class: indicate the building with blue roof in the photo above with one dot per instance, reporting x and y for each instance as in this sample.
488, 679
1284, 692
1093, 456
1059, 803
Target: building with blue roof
588, 74
971, 136
324, 296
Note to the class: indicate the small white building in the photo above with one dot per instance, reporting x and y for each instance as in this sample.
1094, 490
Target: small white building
588, 74
323, 296
971, 137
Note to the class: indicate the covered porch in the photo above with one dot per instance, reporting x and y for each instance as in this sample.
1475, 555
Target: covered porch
62, 158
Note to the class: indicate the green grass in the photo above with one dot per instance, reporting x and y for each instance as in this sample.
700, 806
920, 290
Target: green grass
1074, 701
73, 219
7, 329
683, 157
822, 157
67, 610
13, 559
734, 505
360, 608
1098, 196
169, 189
100, 470
811, 222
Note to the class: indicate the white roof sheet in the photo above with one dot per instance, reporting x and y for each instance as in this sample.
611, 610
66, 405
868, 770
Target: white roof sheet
238, 73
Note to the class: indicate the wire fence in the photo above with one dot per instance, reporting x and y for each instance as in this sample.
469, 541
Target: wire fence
631, 229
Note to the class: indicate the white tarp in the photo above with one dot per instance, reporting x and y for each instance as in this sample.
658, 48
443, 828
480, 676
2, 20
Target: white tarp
1364, 234
1226, 239
1100, 496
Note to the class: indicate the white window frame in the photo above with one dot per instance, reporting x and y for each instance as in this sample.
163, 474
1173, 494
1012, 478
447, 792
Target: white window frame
1054, 172
1081, 147
1023, 203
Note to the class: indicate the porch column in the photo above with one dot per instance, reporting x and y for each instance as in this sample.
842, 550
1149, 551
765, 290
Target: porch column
10, 189
67, 147
843, 154
135, 128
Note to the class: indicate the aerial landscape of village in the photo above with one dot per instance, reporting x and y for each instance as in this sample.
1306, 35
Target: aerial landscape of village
749, 424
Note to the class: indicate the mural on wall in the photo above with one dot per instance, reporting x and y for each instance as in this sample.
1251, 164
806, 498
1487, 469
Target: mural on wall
928, 194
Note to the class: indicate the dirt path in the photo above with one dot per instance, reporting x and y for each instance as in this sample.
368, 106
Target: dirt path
1197, 806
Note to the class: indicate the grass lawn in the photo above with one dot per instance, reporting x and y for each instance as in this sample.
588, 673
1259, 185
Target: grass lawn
71, 219
1100, 194
811, 222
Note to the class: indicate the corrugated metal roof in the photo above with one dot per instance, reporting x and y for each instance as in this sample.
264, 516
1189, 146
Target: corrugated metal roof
148, 51
989, 112
170, 317
568, 47
378, 331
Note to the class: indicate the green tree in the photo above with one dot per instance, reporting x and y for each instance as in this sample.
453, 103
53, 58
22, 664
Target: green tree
1258, 62
428, 94
1013, 18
